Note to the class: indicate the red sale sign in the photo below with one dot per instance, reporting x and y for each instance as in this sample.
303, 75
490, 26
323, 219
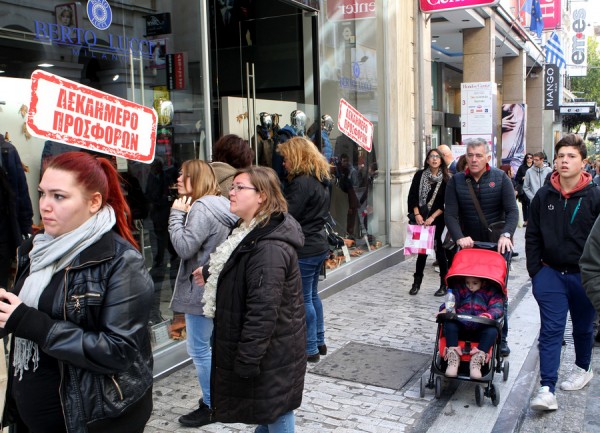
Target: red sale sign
355, 125
66, 111
429, 6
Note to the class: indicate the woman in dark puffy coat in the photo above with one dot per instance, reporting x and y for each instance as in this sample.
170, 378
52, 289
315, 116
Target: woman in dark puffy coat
80, 356
253, 289
426, 201
519, 180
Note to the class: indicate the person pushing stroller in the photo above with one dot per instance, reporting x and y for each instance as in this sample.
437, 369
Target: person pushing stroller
477, 297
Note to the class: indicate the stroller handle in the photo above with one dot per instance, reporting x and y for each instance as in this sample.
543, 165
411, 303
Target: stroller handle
444, 317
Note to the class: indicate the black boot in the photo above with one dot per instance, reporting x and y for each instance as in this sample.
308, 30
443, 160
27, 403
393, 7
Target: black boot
441, 291
416, 284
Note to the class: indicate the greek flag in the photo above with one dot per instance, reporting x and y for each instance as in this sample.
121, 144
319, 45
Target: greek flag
554, 51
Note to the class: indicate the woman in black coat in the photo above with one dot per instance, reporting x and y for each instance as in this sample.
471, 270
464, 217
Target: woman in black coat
520, 179
253, 289
426, 201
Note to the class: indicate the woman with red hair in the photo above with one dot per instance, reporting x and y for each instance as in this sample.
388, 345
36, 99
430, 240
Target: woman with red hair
80, 356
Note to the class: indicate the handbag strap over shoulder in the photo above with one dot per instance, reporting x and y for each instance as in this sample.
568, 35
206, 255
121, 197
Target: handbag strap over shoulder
476, 203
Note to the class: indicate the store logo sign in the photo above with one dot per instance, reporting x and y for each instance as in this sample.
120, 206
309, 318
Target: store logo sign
429, 6
344, 10
551, 79
99, 13
68, 112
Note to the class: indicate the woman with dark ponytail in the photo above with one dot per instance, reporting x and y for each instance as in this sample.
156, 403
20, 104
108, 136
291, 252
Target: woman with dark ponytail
80, 356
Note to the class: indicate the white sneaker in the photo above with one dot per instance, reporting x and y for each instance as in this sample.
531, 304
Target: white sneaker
577, 379
544, 400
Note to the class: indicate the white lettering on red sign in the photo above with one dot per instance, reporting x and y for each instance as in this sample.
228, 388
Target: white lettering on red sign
445, 5
65, 111
356, 126
350, 9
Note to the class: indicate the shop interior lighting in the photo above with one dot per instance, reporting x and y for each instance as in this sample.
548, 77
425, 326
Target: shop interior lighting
116, 77
2, 72
46, 65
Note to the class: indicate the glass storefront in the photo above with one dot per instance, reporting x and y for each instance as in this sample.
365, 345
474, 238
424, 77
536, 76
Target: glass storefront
208, 69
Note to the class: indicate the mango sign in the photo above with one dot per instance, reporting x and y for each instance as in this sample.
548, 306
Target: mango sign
355, 125
66, 111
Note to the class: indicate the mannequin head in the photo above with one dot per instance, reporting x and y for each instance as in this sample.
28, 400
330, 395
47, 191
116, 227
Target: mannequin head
298, 121
326, 123
266, 120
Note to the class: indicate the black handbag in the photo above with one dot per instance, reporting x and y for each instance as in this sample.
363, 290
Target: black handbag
412, 218
494, 230
334, 240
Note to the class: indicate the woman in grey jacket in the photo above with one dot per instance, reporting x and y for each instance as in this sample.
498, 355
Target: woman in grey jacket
200, 220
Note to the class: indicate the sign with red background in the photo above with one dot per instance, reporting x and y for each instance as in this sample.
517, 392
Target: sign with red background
344, 10
428, 6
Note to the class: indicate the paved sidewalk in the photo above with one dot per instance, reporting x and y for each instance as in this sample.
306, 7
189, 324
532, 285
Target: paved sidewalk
378, 311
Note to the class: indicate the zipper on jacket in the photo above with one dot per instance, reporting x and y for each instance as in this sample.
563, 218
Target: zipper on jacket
112, 377
77, 298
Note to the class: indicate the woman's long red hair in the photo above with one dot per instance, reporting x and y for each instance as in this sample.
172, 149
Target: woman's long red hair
95, 174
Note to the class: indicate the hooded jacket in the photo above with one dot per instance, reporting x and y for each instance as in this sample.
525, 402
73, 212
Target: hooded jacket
558, 226
195, 235
98, 329
259, 349
308, 203
225, 174
534, 179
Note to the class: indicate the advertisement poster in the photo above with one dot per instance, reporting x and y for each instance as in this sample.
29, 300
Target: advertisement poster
514, 125
477, 113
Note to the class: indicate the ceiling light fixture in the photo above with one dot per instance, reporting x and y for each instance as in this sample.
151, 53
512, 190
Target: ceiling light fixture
116, 77
45, 65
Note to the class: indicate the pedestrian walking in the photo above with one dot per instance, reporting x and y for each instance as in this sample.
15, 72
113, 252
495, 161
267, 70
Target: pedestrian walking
426, 203
253, 288
200, 220
307, 195
481, 193
80, 354
562, 214
535, 177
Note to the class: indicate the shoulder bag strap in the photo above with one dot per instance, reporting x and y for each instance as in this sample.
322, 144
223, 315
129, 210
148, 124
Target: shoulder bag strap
476, 203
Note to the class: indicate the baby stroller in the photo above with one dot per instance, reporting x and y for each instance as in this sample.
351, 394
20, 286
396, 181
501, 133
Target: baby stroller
483, 261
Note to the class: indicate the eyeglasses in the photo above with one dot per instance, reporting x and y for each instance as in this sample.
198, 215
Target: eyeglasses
434, 156
530, 157
238, 188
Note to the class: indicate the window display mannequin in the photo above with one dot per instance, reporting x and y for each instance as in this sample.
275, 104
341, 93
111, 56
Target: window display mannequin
264, 139
16, 212
326, 128
296, 127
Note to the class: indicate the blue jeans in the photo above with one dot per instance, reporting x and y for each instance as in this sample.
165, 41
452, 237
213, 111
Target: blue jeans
310, 268
283, 424
557, 294
199, 332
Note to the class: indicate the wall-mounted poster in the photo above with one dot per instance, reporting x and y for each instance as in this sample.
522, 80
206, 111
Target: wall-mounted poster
514, 124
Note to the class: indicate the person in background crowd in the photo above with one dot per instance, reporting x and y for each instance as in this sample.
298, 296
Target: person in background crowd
426, 201
254, 290
596, 178
200, 221
80, 354
230, 153
307, 195
496, 197
520, 180
347, 178
535, 176
16, 212
448, 158
461, 164
562, 214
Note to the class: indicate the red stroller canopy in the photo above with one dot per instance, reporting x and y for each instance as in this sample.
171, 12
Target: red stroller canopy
474, 262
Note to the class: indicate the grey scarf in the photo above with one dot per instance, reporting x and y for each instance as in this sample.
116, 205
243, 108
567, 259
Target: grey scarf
427, 181
48, 256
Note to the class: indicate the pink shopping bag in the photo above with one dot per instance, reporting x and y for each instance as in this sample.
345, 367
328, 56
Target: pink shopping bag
419, 240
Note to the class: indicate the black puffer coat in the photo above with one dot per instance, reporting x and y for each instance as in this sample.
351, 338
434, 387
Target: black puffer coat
259, 356
98, 330
497, 200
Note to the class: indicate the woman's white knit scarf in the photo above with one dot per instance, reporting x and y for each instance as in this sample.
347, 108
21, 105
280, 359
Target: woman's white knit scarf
48, 256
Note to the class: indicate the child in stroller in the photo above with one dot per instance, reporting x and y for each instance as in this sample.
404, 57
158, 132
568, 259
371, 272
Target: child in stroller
476, 297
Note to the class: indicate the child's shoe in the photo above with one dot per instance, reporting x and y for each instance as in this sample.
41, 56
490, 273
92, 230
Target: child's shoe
477, 361
453, 358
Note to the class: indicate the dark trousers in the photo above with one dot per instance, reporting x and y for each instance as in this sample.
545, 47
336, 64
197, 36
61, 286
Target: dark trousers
484, 335
557, 294
440, 255
525, 206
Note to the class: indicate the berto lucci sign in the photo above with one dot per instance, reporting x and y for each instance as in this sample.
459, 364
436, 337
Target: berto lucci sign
100, 15
429, 6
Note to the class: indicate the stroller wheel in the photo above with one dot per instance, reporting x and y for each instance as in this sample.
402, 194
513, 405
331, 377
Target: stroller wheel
479, 395
438, 387
505, 369
422, 388
494, 394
